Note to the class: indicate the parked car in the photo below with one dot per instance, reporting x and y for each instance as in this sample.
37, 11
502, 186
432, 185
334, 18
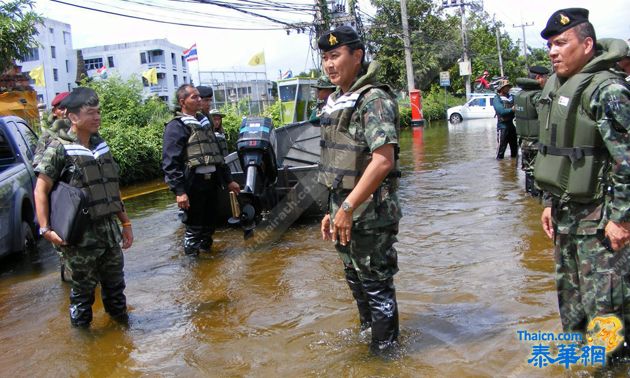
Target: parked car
479, 106
17, 179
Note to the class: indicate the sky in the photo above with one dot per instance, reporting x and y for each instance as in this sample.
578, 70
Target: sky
231, 49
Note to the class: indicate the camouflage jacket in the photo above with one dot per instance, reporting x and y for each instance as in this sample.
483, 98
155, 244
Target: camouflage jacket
610, 106
104, 232
376, 121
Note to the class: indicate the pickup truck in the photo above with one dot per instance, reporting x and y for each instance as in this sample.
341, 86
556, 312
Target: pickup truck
17, 180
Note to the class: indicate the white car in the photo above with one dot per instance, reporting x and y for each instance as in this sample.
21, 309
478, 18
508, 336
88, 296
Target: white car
479, 106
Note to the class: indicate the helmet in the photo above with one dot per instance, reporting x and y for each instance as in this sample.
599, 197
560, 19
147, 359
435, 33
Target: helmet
324, 83
216, 112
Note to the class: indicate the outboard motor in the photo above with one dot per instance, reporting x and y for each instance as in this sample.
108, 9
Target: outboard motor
258, 160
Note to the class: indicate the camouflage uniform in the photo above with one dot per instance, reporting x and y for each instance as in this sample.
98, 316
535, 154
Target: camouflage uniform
98, 257
49, 131
591, 280
370, 259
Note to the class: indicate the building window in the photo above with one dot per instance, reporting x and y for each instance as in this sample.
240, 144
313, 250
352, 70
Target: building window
145, 82
53, 52
110, 61
175, 81
93, 64
51, 30
40, 98
183, 61
55, 74
69, 88
66, 38
173, 60
33, 54
143, 58
67, 65
185, 81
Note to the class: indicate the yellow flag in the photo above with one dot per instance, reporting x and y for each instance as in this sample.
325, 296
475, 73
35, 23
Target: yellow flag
37, 74
257, 59
150, 75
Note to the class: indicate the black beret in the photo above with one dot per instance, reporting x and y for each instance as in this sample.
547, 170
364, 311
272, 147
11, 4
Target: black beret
343, 35
539, 70
204, 91
80, 97
564, 19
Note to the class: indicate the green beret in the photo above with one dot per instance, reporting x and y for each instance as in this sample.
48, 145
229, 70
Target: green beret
343, 35
564, 19
324, 83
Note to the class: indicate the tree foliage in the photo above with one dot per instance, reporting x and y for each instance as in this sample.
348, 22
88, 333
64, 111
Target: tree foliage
18, 30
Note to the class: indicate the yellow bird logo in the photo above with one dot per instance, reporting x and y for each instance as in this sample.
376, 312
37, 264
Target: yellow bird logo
564, 19
332, 40
606, 330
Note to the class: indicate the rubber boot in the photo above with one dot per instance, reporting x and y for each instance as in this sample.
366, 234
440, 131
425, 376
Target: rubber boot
81, 307
192, 239
206, 239
365, 315
114, 300
384, 308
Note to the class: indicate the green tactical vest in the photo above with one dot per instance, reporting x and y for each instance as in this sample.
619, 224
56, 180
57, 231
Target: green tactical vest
344, 159
95, 172
525, 113
572, 160
222, 142
202, 147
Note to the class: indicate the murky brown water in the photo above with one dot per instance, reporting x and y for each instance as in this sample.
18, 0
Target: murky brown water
475, 268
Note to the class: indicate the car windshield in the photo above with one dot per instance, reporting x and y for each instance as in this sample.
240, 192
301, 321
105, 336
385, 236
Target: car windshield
477, 102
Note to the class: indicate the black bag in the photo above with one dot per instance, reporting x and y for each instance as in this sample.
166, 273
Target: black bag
68, 212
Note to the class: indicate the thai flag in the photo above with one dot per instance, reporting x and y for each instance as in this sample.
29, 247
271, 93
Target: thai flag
287, 74
191, 53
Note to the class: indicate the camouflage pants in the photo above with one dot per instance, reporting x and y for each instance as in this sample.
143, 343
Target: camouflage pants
591, 281
371, 253
528, 152
89, 267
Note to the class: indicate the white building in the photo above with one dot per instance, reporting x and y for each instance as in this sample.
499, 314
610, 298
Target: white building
133, 58
234, 86
57, 57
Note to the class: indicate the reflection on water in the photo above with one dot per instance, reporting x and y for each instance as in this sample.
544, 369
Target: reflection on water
475, 268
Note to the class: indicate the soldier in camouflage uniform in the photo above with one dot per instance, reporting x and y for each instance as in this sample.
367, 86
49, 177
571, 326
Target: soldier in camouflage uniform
526, 121
360, 133
324, 89
583, 167
50, 127
82, 159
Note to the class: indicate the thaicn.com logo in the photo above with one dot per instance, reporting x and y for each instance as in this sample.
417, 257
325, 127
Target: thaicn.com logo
604, 334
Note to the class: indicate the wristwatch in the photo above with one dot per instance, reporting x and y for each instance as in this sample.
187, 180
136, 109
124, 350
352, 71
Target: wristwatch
43, 230
347, 207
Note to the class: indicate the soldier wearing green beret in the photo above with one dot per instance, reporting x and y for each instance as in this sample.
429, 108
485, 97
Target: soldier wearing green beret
359, 165
81, 158
526, 121
583, 167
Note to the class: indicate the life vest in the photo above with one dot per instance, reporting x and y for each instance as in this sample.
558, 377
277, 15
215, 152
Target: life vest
525, 113
344, 158
573, 161
222, 142
94, 171
202, 147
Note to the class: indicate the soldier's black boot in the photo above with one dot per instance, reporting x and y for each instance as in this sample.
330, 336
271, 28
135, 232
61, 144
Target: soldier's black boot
384, 308
114, 300
192, 239
365, 315
205, 243
81, 302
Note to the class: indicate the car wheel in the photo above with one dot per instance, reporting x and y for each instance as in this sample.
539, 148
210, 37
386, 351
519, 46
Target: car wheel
455, 118
29, 243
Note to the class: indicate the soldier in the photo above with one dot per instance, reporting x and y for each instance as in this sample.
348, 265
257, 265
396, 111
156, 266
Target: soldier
624, 64
583, 168
55, 122
194, 170
207, 117
360, 132
81, 158
506, 132
324, 89
526, 119
216, 118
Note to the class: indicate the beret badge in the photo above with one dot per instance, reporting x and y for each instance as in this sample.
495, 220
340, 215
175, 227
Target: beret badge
332, 40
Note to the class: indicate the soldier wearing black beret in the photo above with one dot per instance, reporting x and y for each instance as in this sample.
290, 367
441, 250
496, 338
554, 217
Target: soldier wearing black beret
539, 70
362, 220
584, 115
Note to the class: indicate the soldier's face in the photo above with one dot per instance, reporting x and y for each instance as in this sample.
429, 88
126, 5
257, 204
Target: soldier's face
568, 54
624, 64
191, 104
205, 104
217, 120
88, 119
341, 66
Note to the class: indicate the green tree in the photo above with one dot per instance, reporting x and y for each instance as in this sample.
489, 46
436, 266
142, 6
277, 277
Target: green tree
18, 30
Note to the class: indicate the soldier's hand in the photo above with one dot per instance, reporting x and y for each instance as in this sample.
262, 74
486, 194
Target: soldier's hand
127, 237
342, 224
182, 201
618, 234
326, 228
52, 237
547, 223
234, 187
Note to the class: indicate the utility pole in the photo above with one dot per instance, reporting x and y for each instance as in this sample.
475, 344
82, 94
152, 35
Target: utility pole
522, 26
466, 62
407, 45
498, 46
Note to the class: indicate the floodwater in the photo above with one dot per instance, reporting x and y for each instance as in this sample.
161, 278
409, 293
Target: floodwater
475, 268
